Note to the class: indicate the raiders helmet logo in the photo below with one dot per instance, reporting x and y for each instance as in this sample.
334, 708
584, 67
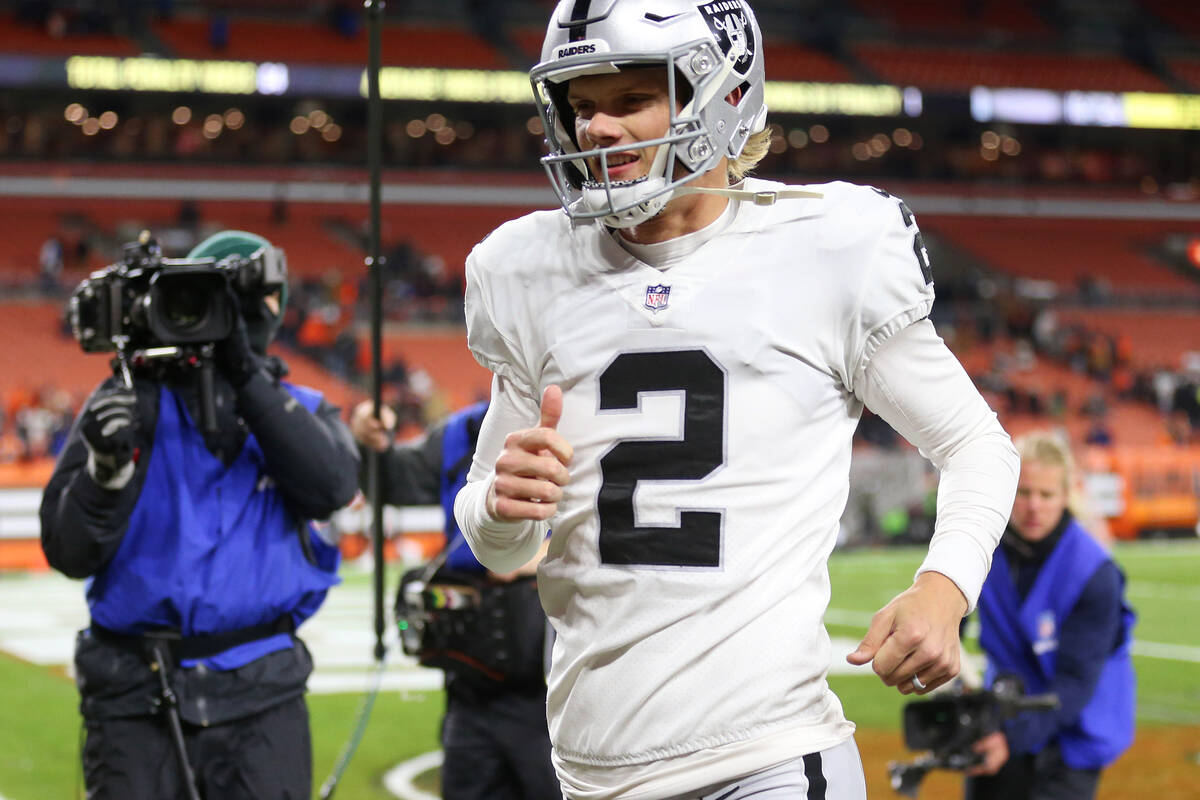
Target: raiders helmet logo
730, 23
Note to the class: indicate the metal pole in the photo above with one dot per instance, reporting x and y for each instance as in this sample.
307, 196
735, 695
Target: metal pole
375, 263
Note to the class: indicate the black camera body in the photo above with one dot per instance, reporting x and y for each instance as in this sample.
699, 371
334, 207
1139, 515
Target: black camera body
146, 302
948, 725
486, 634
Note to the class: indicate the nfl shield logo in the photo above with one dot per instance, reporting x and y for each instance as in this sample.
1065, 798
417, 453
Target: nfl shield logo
1045, 625
656, 297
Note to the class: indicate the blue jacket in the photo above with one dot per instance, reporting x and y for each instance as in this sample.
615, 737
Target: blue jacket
211, 548
1021, 637
458, 445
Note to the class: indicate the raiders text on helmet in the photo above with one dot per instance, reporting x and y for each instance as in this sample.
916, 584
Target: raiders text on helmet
712, 48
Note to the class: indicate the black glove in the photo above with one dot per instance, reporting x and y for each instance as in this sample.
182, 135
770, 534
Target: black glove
108, 426
235, 357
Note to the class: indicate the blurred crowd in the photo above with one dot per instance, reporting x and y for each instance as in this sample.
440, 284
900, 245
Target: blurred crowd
417, 137
34, 422
327, 319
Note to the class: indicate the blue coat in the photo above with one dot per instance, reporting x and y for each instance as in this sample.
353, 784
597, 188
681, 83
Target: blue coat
210, 548
1020, 637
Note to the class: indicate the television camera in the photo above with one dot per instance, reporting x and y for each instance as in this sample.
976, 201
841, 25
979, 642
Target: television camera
146, 308
949, 724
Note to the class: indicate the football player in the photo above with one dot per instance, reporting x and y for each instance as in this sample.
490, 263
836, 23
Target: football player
680, 357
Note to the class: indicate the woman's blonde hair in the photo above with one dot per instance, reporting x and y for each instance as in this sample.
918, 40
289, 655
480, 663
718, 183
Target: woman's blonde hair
1046, 447
753, 152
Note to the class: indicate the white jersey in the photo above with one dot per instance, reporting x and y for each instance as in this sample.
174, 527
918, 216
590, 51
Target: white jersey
711, 408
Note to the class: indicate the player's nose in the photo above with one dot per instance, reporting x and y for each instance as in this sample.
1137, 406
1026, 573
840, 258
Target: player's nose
602, 129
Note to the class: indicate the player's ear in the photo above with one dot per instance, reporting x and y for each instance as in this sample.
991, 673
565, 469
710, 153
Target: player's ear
734, 97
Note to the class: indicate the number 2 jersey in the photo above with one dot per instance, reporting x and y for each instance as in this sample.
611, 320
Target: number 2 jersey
711, 406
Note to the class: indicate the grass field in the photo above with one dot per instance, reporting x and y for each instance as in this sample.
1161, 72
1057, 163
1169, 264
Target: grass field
39, 725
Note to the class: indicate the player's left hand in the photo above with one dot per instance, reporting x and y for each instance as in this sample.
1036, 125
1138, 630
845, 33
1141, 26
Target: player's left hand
916, 635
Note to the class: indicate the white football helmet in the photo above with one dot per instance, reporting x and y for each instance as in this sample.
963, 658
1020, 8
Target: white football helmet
715, 47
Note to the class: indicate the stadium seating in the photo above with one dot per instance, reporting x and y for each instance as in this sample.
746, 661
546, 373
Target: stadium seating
443, 355
1068, 251
300, 42
794, 62
962, 68
1157, 338
34, 41
48, 357
1130, 423
974, 20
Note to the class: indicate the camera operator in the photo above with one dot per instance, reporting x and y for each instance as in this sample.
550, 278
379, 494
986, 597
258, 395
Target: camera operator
494, 733
201, 562
1053, 612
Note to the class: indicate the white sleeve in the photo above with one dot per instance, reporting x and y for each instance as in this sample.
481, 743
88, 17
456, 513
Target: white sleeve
893, 282
916, 384
499, 546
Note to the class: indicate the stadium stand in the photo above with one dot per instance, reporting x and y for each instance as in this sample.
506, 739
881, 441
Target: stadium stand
1071, 252
962, 68
18, 38
49, 356
300, 42
794, 62
1121, 267
1157, 338
964, 20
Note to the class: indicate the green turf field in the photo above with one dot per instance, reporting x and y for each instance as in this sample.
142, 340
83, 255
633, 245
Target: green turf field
39, 726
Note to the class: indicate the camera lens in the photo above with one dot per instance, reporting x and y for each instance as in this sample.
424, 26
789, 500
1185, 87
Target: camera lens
185, 309
186, 306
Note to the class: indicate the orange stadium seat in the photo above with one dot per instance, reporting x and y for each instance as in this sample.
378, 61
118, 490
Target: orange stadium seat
407, 44
447, 231
47, 357
787, 60
1157, 338
32, 41
1067, 251
443, 354
793, 62
963, 19
962, 68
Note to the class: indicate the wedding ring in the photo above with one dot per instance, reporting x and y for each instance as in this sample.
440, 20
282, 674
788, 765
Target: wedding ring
917, 684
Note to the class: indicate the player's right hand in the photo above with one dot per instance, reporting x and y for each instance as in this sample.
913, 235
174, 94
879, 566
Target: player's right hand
372, 431
532, 468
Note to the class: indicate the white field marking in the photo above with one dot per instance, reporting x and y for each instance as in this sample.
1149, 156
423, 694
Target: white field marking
1160, 549
1167, 652
1168, 591
841, 616
399, 779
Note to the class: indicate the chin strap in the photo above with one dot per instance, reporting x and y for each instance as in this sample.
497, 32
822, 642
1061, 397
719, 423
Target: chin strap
766, 198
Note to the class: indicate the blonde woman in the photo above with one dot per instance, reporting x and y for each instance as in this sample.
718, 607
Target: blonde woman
1052, 611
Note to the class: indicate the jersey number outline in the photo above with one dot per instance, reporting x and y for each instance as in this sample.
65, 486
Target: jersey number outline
910, 222
696, 540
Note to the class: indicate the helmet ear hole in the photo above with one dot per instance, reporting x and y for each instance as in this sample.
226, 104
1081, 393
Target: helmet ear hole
683, 88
